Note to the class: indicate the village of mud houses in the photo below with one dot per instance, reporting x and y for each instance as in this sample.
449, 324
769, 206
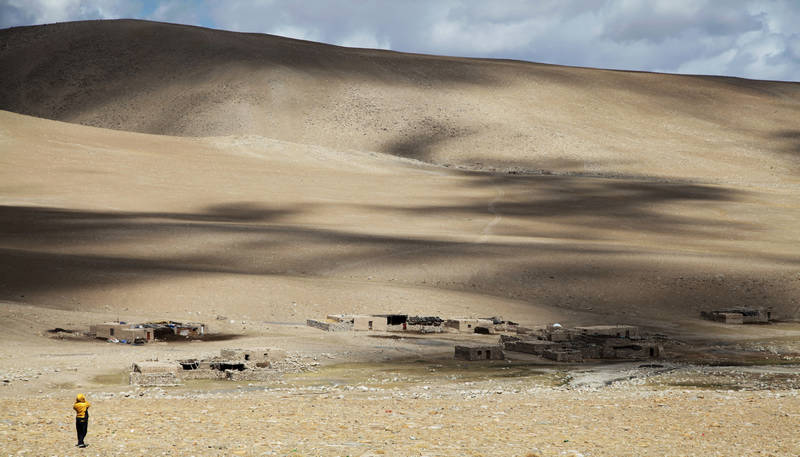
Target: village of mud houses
399, 228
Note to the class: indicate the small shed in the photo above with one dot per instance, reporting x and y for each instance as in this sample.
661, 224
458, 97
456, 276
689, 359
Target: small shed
370, 323
108, 330
728, 318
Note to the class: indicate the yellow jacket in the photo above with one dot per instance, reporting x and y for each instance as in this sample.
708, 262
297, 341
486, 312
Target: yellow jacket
81, 406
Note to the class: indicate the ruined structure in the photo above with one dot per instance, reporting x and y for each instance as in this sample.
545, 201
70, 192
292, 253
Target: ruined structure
234, 364
739, 315
473, 353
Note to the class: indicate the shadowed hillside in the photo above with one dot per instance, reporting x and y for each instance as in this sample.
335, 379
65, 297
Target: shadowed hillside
624, 196
247, 226
483, 114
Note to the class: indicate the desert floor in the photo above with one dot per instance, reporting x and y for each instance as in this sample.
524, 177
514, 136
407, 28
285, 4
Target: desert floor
353, 394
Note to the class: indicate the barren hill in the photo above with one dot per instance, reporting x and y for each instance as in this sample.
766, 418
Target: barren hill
648, 197
187, 81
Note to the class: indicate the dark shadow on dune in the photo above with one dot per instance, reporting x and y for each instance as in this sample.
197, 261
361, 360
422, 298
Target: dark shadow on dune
55, 226
792, 140
543, 167
636, 290
592, 203
419, 140
54, 249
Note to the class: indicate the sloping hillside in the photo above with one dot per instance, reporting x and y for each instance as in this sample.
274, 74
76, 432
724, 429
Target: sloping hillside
652, 196
188, 81
250, 227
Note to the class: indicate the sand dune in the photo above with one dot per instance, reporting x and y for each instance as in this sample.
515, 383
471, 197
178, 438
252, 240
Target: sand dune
95, 219
188, 81
267, 191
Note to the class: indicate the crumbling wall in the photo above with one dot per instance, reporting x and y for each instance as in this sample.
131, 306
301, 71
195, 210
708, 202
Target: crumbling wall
330, 326
154, 379
249, 375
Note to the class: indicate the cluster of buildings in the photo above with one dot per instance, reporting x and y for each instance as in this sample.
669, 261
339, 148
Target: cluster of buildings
562, 344
405, 323
231, 364
124, 332
739, 315
553, 342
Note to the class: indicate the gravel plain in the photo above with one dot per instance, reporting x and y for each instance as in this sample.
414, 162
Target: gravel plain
396, 412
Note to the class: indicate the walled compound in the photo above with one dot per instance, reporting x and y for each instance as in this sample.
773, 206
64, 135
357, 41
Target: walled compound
124, 332
563, 344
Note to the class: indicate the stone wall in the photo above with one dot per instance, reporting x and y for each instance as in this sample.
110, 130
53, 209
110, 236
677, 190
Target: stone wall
570, 355
479, 353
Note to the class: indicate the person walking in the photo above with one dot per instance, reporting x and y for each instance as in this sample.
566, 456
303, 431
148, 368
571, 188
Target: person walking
81, 408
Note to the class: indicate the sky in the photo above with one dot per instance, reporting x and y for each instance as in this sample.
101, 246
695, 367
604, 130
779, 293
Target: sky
757, 39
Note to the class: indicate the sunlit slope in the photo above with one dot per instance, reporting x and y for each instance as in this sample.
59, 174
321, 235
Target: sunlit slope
187, 81
249, 226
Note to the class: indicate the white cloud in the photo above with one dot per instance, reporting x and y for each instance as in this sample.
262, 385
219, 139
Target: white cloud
177, 11
364, 39
48, 11
293, 31
749, 38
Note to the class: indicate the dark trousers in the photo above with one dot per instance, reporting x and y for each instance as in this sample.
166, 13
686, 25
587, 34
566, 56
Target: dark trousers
81, 424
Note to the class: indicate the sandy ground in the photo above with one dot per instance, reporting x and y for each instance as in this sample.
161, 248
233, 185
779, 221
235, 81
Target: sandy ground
490, 418
355, 394
429, 405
